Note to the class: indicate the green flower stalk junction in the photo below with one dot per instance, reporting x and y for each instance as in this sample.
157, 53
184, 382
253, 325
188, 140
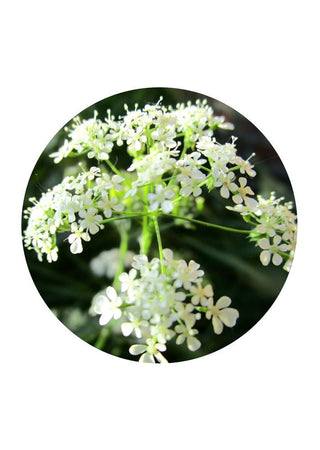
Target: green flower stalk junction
175, 158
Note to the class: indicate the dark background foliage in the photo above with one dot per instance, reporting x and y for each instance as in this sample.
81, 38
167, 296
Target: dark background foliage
230, 262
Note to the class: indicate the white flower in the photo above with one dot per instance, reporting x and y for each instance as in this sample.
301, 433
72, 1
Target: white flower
190, 185
106, 182
127, 280
272, 250
136, 324
90, 220
52, 254
200, 293
185, 313
188, 334
225, 180
162, 197
149, 352
164, 137
139, 261
108, 204
108, 306
221, 314
187, 274
135, 138
162, 331
242, 194
246, 166
75, 238
269, 225
151, 167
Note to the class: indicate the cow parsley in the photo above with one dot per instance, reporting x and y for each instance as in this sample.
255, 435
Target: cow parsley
173, 163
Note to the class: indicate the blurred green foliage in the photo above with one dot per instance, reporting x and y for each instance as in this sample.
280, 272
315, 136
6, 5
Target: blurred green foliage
230, 261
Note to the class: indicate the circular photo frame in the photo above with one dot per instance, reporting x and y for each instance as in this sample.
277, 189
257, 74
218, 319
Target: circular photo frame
159, 225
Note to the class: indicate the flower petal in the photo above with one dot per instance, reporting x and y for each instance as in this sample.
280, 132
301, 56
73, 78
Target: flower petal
126, 328
147, 358
276, 259
111, 293
160, 358
76, 246
168, 254
193, 343
265, 257
229, 316
137, 349
117, 313
217, 325
208, 291
223, 302
167, 206
105, 317
264, 243
180, 339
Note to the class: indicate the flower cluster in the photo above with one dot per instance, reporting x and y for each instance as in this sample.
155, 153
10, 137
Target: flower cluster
87, 136
153, 138
175, 159
78, 204
160, 300
274, 231
164, 175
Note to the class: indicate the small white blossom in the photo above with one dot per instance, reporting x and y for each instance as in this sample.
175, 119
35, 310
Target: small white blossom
225, 180
200, 293
150, 352
187, 274
127, 280
188, 334
246, 166
242, 194
90, 220
161, 197
135, 138
75, 239
272, 251
107, 306
108, 204
221, 314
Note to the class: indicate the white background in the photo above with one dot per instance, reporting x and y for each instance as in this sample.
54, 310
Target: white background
260, 58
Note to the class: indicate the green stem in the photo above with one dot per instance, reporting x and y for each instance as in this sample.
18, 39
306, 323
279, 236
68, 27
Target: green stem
134, 215
147, 232
113, 168
284, 255
207, 224
125, 216
201, 308
100, 342
157, 230
122, 256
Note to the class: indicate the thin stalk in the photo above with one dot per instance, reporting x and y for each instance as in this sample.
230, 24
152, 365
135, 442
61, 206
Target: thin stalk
122, 253
207, 224
113, 167
158, 234
100, 342
173, 216
147, 231
125, 216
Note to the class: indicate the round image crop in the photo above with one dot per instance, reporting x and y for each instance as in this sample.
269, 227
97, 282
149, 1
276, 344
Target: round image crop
159, 225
